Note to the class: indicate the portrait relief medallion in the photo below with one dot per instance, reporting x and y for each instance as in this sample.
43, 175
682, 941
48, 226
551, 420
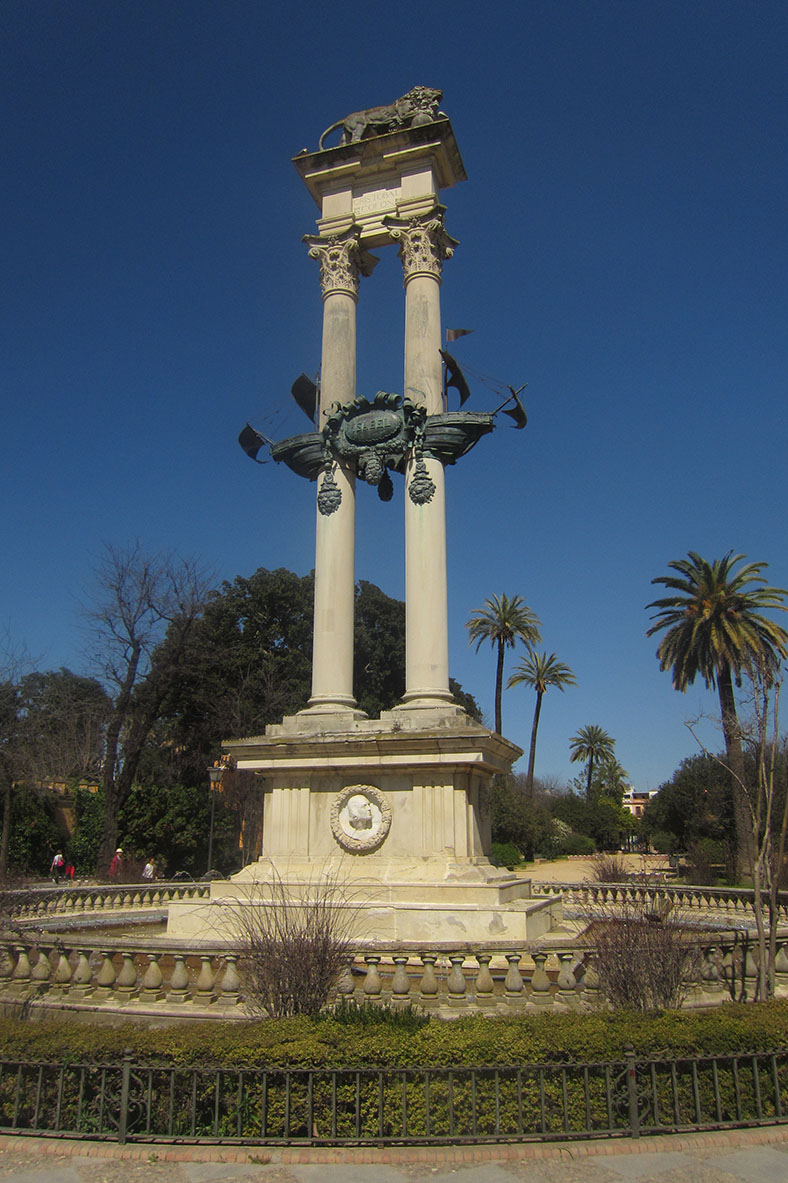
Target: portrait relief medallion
360, 818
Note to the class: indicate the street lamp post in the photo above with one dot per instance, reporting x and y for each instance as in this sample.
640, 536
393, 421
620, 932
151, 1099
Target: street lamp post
215, 775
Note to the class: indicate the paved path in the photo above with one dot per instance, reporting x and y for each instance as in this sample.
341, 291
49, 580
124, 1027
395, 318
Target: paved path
740, 1156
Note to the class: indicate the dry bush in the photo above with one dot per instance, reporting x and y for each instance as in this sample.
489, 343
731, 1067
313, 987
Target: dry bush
291, 947
646, 960
609, 868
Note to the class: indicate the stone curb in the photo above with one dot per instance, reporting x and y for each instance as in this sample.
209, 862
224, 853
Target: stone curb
310, 1155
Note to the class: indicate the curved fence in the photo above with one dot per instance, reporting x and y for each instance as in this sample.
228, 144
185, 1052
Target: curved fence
372, 1106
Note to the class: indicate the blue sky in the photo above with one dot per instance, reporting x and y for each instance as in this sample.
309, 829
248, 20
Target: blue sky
623, 251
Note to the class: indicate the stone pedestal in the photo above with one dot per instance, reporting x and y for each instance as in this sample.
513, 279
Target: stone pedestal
393, 814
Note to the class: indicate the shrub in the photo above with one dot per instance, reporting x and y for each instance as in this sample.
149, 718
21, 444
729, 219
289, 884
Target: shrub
645, 961
369, 1014
292, 947
577, 844
505, 854
609, 868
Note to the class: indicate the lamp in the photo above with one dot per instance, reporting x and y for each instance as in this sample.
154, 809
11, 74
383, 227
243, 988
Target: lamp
215, 774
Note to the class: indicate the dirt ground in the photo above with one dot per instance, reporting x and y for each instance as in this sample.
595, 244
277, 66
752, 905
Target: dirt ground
577, 869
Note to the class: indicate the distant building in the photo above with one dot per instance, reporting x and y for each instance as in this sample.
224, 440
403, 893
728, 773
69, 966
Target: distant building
636, 801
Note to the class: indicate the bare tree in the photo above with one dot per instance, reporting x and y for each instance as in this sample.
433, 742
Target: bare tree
765, 796
145, 610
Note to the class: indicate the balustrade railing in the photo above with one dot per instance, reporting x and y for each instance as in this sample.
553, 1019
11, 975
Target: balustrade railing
728, 902
36, 902
135, 975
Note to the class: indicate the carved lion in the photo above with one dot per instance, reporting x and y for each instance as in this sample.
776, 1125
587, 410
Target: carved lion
419, 105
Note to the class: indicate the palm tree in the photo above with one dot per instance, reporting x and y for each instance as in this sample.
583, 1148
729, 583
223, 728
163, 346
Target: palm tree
591, 743
539, 670
502, 621
715, 628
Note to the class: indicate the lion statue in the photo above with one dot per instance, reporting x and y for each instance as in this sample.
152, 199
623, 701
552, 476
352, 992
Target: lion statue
418, 106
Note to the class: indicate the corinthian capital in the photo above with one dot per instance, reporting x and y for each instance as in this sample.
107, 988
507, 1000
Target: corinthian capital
424, 243
342, 260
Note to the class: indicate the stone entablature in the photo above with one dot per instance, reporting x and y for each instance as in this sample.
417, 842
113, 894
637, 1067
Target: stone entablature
400, 173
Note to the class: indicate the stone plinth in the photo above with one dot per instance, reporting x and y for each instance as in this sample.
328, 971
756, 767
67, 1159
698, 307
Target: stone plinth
400, 173
396, 811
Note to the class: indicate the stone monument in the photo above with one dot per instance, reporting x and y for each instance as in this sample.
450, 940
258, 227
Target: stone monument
396, 807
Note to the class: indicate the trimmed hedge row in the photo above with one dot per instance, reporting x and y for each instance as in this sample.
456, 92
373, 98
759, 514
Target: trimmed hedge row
470, 1040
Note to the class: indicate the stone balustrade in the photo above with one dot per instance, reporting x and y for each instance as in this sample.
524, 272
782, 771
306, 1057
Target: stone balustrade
37, 902
141, 978
728, 902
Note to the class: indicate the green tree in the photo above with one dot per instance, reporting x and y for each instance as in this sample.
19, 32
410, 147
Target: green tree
61, 725
503, 621
591, 745
172, 824
35, 834
695, 805
714, 626
516, 819
539, 670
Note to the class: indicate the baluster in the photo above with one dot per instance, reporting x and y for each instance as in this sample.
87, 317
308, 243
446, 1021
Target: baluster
540, 983
179, 981
484, 987
345, 983
62, 978
428, 987
710, 973
152, 981
105, 978
372, 984
126, 981
81, 978
513, 983
567, 982
203, 993
591, 985
6, 964
781, 962
455, 981
750, 968
20, 978
42, 970
231, 983
400, 984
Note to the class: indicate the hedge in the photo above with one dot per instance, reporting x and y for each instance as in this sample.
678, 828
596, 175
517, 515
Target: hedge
470, 1040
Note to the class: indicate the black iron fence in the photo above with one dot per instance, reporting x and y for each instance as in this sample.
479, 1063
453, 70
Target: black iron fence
379, 1106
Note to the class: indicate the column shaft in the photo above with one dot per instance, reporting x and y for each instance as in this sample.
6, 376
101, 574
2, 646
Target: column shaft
332, 656
424, 244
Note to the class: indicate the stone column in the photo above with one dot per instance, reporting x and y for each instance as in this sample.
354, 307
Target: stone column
424, 244
341, 261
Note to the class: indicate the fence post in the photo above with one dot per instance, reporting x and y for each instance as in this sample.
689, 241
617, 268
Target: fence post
125, 1080
632, 1090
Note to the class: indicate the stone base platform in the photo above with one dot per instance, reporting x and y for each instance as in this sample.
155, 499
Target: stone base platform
389, 818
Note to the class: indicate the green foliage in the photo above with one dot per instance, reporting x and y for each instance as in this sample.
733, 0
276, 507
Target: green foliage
35, 834
173, 824
601, 819
82, 846
503, 621
472, 1039
714, 621
694, 805
406, 1019
516, 820
61, 722
505, 854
